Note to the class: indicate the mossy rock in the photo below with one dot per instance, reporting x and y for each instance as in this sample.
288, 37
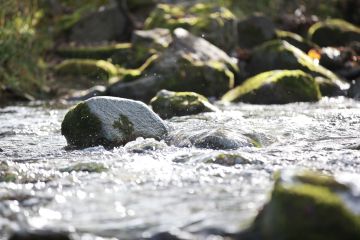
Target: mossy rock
334, 32
168, 104
99, 70
255, 30
280, 55
276, 87
110, 122
95, 52
296, 40
308, 209
216, 24
189, 64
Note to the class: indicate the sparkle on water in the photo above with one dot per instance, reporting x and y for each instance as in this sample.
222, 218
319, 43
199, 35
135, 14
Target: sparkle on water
149, 186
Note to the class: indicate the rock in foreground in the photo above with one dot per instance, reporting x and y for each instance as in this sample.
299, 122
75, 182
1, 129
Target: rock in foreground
276, 87
110, 122
308, 205
169, 104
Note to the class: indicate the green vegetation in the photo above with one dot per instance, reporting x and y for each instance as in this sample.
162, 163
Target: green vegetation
21, 49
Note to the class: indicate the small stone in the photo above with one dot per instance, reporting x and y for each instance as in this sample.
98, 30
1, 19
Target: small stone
110, 121
169, 104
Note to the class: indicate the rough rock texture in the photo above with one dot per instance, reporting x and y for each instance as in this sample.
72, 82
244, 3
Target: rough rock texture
110, 24
110, 121
215, 24
189, 64
333, 32
255, 30
168, 104
276, 87
309, 205
278, 55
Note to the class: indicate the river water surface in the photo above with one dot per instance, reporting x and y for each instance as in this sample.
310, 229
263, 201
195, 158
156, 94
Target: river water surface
153, 186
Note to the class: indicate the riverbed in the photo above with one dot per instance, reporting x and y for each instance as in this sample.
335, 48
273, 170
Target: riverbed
149, 186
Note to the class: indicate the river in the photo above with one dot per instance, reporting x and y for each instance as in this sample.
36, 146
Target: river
153, 186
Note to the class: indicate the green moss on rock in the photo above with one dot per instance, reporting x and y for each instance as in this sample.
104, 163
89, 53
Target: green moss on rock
276, 87
169, 104
334, 32
302, 210
95, 69
82, 128
95, 52
125, 127
296, 40
278, 55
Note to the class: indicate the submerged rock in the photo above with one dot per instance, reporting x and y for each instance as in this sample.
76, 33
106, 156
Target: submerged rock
276, 87
255, 30
91, 167
334, 32
110, 121
309, 205
279, 55
216, 138
189, 64
169, 104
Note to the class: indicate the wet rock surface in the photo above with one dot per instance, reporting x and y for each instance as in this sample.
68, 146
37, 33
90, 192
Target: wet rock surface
110, 121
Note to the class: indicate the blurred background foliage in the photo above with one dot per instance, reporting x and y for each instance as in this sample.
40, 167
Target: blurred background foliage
29, 28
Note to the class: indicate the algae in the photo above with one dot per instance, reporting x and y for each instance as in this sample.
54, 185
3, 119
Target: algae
276, 87
82, 128
125, 127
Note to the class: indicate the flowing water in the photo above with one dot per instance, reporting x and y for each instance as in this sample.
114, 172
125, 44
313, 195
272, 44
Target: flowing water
153, 186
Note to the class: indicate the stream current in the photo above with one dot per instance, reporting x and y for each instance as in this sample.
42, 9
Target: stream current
154, 186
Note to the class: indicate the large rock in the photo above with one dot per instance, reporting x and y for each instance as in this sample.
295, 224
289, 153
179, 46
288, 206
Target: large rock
255, 30
189, 64
110, 122
105, 25
309, 205
169, 104
215, 24
279, 55
276, 87
334, 32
